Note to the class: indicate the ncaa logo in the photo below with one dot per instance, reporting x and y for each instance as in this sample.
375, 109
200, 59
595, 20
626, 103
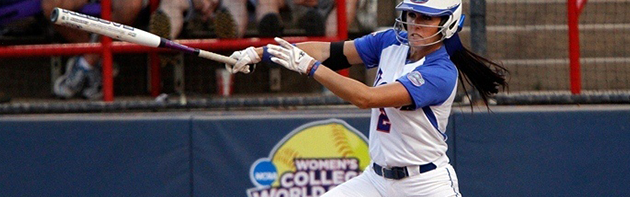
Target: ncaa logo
312, 159
419, 1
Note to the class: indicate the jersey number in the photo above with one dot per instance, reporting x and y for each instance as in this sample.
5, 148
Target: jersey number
383, 124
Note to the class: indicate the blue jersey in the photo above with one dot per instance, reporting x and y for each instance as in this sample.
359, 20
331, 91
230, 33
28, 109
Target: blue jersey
414, 134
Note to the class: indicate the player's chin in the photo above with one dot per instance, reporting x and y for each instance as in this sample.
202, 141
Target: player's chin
417, 42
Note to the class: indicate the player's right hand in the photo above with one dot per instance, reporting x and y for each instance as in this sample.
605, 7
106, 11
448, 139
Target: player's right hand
291, 57
244, 58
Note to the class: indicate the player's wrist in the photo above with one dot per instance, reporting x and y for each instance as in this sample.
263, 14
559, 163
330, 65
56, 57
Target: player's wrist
311, 70
266, 56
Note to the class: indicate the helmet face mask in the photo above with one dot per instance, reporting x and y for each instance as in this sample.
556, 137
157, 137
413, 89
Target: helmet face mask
402, 26
450, 10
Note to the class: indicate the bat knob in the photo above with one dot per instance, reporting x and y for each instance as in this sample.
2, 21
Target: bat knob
54, 15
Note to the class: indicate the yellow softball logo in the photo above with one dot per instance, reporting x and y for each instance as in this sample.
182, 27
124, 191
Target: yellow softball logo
313, 158
326, 141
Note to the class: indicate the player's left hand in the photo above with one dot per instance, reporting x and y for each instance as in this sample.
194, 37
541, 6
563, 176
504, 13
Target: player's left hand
291, 56
244, 58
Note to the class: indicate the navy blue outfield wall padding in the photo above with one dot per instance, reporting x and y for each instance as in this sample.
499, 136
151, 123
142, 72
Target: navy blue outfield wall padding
95, 157
225, 148
513, 151
543, 153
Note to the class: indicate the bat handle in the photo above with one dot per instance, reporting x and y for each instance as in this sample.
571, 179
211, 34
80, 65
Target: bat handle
166, 43
216, 57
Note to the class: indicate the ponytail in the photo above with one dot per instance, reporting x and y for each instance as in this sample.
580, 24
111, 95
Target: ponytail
484, 75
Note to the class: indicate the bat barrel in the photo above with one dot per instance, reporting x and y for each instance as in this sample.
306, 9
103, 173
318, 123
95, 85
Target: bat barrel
103, 27
125, 33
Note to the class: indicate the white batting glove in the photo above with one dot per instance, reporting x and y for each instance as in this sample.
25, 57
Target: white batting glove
290, 56
244, 58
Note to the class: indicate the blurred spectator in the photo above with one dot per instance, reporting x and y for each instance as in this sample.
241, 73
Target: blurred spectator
83, 73
20, 17
316, 17
366, 12
176, 18
229, 17
9, 2
4, 98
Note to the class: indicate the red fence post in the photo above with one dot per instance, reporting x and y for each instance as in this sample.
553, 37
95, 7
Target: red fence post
342, 28
155, 74
580, 5
153, 5
574, 47
108, 79
154, 63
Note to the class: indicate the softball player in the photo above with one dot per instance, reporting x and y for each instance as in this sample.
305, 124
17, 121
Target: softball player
418, 62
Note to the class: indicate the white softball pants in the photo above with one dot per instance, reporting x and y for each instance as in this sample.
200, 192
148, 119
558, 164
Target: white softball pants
440, 182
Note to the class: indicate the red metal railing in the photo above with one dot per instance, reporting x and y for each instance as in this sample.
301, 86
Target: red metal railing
574, 9
106, 42
107, 47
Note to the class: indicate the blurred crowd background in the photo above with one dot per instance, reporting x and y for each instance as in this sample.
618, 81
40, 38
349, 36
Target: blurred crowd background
529, 37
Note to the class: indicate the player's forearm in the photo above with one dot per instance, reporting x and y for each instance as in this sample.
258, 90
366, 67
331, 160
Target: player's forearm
347, 88
318, 50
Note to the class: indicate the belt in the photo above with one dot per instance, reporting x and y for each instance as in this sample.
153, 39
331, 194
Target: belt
398, 173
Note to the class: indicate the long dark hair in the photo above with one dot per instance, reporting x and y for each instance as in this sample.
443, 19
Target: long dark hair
484, 75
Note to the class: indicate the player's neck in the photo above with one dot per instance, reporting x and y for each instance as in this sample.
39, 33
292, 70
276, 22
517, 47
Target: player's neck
417, 53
